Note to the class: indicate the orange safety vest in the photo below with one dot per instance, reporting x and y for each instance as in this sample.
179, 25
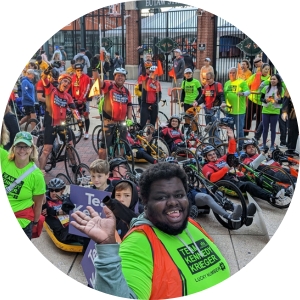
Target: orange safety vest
166, 279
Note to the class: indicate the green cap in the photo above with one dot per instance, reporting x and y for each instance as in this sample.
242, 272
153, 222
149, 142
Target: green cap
23, 137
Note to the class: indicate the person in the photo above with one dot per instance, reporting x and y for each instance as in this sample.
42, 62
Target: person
41, 64
81, 58
212, 95
116, 107
191, 90
57, 101
99, 170
117, 61
12, 126
271, 98
258, 64
151, 95
258, 162
56, 212
145, 60
80, 88
235, 92
188, 60
162, 241
28, 97
245, 72
110, 67
124, 203
178, 65
254, 104
57, 56
205, 69
26, 197
71, 69
57, 61
217, 169
288, 115
64, 56
44, 56
118, 168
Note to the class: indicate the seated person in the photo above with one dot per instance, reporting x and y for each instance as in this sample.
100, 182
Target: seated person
99, 170
118, 168
217, 169
137, 149
56, 211
259, 162
172, 135
124, 203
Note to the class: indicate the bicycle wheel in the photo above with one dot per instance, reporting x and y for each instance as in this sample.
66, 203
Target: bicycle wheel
78, 131
243, 139
185, 157
158, 149
162, 118
96, 137
82, 175
281, 180
64, 178
33, 126
72, 161
226, 194
122, 149
221, 133
51, 161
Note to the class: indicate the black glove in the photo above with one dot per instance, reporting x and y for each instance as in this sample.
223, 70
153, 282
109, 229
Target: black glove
67, 204
266, 150
94, 62
48, 70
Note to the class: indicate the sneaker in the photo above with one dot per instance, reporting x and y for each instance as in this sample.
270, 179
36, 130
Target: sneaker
280, 194
235, 217
194, 212
285, 200
262, 148
282, 145
290, 191
272, 148
86, 136
78, 133
251, 210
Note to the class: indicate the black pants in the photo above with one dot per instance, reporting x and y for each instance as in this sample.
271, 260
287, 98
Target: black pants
148, 111
142, 154
253, 189
252, 109
280, 176
293, 133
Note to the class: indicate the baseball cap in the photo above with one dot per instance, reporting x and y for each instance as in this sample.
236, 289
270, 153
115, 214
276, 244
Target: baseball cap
23, 137
78, 66
207, 59
82, 49
177, 50
30, 71
188, 70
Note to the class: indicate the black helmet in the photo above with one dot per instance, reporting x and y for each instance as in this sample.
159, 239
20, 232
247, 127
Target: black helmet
54, 74
115, 162
56, 183
207, 149
175, 117
248, 142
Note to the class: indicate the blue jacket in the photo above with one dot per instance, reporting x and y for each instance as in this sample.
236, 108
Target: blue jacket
28, 92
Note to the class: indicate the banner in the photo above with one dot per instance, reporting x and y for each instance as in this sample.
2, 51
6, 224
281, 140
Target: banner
95, 90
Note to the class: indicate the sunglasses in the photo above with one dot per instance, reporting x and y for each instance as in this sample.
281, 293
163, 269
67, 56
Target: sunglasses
55, 190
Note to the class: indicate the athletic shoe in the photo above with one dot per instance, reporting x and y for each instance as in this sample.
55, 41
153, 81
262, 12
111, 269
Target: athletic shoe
282, 145
77, 133
272, 149
235, 217
251, 210
280, 194
262, 148
86, 136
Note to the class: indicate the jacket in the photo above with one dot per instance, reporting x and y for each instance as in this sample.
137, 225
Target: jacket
28, 92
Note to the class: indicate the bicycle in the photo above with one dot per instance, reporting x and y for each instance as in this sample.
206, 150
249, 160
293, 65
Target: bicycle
78, 130
70, 157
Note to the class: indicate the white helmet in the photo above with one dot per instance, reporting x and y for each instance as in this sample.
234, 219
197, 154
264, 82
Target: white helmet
120, 71
153, 68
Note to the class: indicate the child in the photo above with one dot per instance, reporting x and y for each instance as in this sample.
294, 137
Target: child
99, 170
124, 203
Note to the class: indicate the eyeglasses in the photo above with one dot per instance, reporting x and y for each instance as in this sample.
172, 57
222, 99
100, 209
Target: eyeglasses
188, 73
26, 148
55, 190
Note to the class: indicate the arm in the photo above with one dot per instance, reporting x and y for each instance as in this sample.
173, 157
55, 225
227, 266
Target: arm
129, 111
37, 207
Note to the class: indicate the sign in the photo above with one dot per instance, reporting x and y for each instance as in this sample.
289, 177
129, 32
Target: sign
82, 197
106, 43
202, 47
249, 47
87, 263
166, 45
157, 4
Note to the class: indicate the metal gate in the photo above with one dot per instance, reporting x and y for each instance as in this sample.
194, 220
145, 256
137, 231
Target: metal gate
163, 32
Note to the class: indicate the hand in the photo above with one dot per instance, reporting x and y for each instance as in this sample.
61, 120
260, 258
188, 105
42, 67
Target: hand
44, 212
223, 105
284, 116
195, 104
48, 70
100, 230
230, 132
240, 94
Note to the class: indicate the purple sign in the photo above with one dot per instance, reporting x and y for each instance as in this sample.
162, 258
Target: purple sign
82, 197
87, 263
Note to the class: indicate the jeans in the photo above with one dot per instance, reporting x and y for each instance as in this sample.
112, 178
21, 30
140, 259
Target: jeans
239, 121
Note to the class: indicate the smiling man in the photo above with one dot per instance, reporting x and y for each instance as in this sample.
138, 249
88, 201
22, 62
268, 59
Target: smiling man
165, 254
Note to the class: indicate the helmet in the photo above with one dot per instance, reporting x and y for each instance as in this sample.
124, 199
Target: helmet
120, 71
175, 117
64, 76
171, 159
153, 68
207, 149
248, 142
54, 74
56, 183
148, 64
115, 162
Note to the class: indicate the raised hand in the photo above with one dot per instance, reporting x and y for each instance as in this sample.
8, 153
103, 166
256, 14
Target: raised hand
100, 230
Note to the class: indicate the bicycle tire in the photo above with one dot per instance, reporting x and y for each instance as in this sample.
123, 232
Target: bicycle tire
162, 118
82, 175
78, 131
96, 138
222, 185
185, 155
221, 133
123, 149
289, 186
51, 160
71, 167
35, 130
159, 149
64, 178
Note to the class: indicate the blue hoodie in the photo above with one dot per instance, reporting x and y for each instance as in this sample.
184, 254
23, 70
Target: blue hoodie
28, 92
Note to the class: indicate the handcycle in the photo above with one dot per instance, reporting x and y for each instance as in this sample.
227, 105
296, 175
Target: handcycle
70, 156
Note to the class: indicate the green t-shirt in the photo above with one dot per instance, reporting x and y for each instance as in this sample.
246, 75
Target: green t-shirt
256, 97
199, 273
271, 108
191, 90
238, 103
32, 185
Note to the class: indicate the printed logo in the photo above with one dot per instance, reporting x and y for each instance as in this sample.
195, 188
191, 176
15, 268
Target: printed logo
8, 180
60, 102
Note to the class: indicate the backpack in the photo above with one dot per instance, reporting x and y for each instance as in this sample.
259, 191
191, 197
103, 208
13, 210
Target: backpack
80, 60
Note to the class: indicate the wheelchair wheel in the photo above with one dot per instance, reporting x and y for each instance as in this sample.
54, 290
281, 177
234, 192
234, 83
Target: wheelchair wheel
186, 157
82, 175
162, 118
123, 149
159, 149
96, 137
72, 161
64, 178
281, 180
226, 194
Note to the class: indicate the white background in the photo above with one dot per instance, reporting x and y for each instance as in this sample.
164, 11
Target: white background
25, 26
